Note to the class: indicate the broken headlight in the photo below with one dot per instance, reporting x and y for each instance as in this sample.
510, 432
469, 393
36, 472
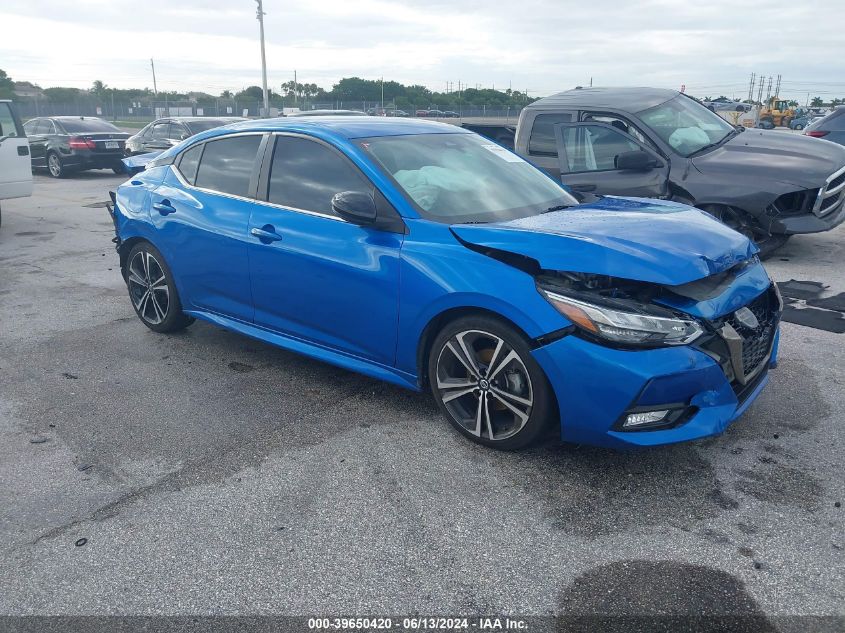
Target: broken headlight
622, 321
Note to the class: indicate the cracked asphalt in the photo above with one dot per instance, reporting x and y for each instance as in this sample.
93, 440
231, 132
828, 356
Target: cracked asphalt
213, 474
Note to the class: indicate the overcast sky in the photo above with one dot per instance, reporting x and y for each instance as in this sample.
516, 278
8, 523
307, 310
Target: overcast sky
543, 46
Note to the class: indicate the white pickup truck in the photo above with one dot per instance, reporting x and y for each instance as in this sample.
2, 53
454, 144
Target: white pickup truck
15, 164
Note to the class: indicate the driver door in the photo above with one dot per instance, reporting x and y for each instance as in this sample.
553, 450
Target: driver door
588, 154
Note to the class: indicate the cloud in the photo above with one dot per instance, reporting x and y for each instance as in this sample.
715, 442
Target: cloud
540, 45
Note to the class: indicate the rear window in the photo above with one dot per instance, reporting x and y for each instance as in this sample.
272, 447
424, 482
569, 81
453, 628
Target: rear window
227, 164
542, 140
78, 126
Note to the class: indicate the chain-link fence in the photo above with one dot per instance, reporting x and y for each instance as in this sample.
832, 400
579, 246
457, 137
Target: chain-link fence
142, 111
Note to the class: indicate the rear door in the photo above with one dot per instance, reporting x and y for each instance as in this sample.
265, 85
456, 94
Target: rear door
37, 137
587, 157
201, 211
15, 164
159, 137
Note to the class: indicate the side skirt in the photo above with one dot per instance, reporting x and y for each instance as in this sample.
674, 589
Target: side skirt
340, 359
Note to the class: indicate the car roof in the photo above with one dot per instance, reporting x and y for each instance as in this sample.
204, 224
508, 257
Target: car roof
190, 119
349, 126
626, 99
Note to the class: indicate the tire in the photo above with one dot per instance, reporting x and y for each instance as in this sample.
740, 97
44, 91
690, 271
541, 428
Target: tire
55, 166
798, 126
118, 169
497, 396
743, 223
161, 309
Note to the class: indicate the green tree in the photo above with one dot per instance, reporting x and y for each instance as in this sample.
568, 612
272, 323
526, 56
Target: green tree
817, 102
7, 86
98, 88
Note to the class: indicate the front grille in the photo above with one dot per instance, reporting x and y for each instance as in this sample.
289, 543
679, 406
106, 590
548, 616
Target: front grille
745, 365
756, 342
831, 195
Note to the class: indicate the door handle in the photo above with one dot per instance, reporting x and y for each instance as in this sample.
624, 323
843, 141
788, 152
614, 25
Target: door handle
266, 234
164, 207
583, 187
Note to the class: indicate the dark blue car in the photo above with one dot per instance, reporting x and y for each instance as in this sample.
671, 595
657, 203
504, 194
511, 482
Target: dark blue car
427, 256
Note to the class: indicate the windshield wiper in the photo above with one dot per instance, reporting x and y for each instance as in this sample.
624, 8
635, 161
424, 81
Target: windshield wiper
559, 207
716, 144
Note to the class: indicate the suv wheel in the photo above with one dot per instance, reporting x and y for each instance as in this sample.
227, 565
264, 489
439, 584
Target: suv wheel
488, 385
152, 291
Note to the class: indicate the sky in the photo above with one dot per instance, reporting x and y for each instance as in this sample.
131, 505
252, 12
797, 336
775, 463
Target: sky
542, 46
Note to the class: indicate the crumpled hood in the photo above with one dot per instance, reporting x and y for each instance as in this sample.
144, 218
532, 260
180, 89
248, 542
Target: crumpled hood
632, 238
768, 155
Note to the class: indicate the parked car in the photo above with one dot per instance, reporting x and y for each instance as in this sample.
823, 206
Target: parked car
449, 114
830, 127
327, 113
800, 122
66, 144
622, 322
15, 167
663, 144
164, 133
421, 113
719, 105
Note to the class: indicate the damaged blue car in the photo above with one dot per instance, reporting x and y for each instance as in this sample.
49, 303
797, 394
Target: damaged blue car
425, 255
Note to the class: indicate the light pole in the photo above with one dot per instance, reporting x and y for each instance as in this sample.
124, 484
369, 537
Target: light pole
260, 16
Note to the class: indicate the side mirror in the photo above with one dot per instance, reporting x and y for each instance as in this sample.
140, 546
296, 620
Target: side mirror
638, 160
355, 206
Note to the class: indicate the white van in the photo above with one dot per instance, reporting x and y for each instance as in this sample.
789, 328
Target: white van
15, 164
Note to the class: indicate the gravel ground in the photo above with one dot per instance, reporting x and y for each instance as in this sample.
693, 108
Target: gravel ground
213, 474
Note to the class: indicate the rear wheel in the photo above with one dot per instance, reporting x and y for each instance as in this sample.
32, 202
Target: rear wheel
741, 222
118, 169
152, 290
55, 166
487, 383
798, 126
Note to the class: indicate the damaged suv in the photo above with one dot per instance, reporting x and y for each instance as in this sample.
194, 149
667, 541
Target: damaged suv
424, 255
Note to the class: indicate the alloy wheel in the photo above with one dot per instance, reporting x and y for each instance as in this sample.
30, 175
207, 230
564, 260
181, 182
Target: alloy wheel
54, 164
484, 385
148, 287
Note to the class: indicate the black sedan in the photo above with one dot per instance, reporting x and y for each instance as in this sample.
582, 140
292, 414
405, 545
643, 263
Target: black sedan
64, 144
164, 133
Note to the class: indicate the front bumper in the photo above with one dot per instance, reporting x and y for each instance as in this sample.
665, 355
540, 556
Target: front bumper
596, 385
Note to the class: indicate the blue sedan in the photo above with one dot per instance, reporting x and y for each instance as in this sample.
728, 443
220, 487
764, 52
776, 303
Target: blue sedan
423, 254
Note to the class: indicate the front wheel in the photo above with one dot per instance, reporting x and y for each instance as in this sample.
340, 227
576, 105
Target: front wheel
741, 222
798, 126
487, 383
152, 290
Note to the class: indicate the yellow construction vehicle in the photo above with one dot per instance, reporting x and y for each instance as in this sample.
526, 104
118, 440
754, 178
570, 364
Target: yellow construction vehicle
776, 113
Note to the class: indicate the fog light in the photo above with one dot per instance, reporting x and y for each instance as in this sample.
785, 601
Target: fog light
646, 417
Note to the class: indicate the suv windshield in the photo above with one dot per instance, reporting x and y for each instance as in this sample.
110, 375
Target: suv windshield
686, 125
455, 178
76, 126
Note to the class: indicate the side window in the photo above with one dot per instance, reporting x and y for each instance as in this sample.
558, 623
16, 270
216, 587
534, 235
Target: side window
161, 130
306, 175
227, 164
29, 127
7, 121
49, 127
189, 162
178, 131
620, 124
41, 127
542, 140
594, 147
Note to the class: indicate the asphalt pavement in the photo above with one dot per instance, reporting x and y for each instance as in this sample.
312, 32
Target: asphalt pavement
213, 474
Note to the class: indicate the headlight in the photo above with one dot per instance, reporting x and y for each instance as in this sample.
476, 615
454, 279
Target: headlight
621, 326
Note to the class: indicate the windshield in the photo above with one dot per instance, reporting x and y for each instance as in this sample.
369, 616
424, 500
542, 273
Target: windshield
201, 126
455, 178
76, 126
686, 125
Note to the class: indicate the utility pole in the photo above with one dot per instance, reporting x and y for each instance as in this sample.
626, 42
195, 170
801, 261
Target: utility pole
155, 88
751, 86
260, 15
295, 90
777, 88
760, 90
